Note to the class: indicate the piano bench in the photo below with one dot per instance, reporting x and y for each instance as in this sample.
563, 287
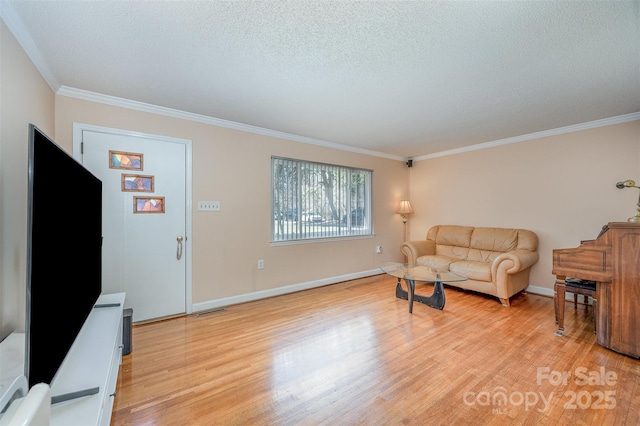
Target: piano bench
584, 287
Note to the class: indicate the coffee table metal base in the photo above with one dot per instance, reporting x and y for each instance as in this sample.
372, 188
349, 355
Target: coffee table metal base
436, 300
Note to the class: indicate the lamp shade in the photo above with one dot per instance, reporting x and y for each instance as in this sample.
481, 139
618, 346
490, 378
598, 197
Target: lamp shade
405, 207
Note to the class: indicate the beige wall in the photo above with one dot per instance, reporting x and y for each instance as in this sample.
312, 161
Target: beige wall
561, 187
24, 98
234, 167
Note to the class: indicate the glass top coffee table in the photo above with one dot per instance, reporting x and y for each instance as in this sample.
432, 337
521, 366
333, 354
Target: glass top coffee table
412, 273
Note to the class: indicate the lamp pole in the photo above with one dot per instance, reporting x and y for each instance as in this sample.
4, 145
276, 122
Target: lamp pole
404, 221
404, 209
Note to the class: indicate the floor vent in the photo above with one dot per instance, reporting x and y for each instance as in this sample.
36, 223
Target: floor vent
213, 311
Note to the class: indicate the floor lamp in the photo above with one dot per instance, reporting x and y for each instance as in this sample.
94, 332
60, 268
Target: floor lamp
405, 209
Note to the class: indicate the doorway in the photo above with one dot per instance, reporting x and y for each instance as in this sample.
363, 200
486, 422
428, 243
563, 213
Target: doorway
146, 186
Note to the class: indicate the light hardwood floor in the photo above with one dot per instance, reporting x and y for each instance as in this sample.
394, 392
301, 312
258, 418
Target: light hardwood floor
351, 354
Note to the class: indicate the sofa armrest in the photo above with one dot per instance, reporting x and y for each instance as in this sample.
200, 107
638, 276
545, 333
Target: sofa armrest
513, 262
510, 272
414, 249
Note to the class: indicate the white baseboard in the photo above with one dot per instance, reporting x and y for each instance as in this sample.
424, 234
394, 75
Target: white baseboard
542, 291
217, 303
227, 301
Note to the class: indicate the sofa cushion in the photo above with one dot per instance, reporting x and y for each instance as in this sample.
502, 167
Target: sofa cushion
452, 235
527, 240
489, 243
472, 269
441, 263
452, 251
494, 239
482, 255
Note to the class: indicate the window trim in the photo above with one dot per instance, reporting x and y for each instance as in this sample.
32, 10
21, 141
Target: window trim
299, 238
321, 240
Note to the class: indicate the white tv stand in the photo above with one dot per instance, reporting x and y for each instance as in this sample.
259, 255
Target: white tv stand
92, 362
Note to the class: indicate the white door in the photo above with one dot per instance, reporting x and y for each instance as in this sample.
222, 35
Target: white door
144, 253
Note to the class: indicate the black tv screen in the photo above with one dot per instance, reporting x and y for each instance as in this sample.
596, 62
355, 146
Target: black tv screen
64, 254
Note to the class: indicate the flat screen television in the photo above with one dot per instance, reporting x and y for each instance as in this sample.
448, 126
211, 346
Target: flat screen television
64, 254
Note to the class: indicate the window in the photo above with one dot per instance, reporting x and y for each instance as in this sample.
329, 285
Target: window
314, 200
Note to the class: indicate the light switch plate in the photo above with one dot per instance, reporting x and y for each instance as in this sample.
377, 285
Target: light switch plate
209, 206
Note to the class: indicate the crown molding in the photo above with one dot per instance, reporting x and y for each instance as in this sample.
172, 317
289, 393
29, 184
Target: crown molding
155, 109
16, 26
537, 135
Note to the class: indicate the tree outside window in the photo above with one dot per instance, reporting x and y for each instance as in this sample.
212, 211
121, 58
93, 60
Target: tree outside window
315, 200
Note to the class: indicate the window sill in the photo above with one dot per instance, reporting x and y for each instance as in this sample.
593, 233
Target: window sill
321, 240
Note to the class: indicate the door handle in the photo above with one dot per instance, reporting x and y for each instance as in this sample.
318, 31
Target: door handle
179, 249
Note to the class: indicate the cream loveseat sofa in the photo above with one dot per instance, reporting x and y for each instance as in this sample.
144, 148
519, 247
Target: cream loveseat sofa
496, 261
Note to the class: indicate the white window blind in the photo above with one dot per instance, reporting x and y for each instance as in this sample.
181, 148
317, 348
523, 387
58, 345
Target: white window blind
314, 200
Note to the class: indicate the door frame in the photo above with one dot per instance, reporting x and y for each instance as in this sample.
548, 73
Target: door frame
78, 128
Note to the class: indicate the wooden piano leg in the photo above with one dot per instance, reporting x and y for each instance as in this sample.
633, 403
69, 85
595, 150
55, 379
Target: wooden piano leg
593, 315
559, 295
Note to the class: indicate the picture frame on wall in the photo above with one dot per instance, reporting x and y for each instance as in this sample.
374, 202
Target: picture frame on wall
148, 204
126, 160
137, 183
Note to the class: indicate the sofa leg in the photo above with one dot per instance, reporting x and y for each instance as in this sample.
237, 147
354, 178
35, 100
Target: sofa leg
505, 302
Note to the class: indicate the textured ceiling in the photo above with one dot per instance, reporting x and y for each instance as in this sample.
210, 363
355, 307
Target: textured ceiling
405, 79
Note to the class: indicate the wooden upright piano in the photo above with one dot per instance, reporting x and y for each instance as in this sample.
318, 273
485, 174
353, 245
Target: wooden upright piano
612, 260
